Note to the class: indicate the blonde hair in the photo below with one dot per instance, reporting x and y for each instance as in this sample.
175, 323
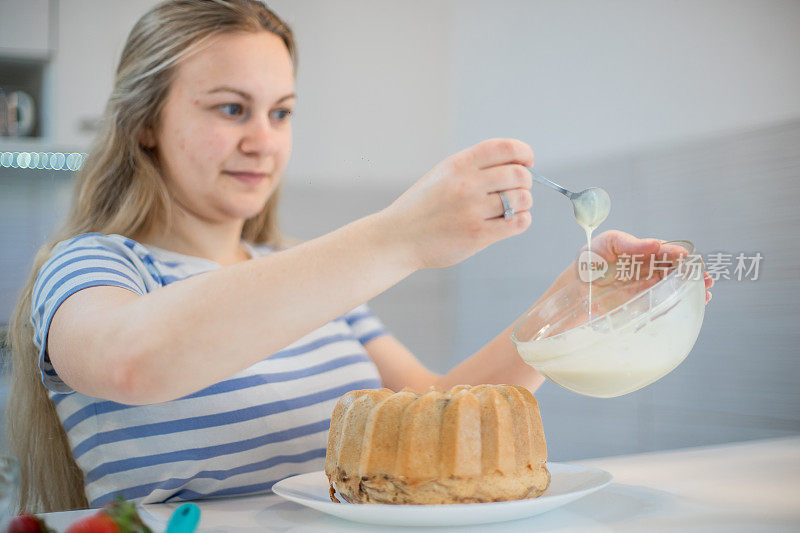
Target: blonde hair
119, 190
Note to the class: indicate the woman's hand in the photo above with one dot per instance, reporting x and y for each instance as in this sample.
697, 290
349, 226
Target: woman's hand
651, 253
454, 210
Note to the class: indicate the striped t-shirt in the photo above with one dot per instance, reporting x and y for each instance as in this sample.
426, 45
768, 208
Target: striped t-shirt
236, 437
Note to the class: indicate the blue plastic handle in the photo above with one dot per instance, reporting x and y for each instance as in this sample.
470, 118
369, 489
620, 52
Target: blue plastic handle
184, 519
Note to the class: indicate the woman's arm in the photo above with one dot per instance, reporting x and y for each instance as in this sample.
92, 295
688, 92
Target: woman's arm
110, 343
497, 362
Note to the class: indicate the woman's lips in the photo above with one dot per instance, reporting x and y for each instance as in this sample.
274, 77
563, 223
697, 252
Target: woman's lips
247, 177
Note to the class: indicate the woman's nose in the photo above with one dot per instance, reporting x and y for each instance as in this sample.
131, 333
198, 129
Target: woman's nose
259, 138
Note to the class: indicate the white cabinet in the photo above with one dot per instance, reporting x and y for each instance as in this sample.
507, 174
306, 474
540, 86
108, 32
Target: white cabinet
25, 28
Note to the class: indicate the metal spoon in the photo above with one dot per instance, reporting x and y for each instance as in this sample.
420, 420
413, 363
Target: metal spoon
591, 206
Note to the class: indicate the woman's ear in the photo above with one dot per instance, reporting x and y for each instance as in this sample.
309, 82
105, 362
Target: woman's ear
147, 139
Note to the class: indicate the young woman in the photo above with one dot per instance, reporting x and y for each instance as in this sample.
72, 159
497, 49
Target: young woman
170, 344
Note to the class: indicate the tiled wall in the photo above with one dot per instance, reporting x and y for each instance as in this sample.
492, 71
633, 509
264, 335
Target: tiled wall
31, 203
738, 193
418, 310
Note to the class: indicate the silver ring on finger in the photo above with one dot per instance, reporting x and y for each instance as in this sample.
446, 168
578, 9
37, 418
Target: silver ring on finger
508, 211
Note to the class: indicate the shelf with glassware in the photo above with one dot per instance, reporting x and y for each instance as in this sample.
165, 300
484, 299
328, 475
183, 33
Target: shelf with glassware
27, 40
22, 98
26, 119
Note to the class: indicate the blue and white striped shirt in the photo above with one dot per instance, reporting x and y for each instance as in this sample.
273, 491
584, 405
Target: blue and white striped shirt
236, 437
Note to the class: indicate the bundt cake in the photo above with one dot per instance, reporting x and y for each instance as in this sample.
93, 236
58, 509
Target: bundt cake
470, 444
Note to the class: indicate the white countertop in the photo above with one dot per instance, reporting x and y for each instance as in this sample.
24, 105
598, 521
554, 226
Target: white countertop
741, 487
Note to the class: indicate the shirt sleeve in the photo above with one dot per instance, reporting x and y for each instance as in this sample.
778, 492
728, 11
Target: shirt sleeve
365, 325
88, 260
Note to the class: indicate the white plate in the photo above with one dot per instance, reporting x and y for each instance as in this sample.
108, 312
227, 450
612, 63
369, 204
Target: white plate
567, 484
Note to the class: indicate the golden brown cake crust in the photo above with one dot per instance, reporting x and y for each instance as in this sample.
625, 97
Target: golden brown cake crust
470, 444
494, 487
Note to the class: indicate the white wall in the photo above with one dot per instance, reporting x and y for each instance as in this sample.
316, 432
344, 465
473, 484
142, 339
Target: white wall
372, 87
688, 113
388, 89
580, 78
90, 37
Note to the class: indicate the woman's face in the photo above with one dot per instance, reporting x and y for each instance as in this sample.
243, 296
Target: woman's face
225, 135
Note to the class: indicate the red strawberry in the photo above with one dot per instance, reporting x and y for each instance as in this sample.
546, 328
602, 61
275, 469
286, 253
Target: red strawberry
119, 516
97, 523
26, 523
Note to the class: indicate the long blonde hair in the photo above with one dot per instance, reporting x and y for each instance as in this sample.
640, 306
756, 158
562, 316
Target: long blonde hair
119, 190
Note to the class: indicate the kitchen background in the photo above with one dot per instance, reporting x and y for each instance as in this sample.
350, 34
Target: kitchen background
686, 111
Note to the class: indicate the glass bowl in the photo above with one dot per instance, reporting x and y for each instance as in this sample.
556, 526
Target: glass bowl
640, 328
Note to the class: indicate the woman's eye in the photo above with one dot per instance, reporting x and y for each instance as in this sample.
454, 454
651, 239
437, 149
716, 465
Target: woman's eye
233, 110
280, 114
